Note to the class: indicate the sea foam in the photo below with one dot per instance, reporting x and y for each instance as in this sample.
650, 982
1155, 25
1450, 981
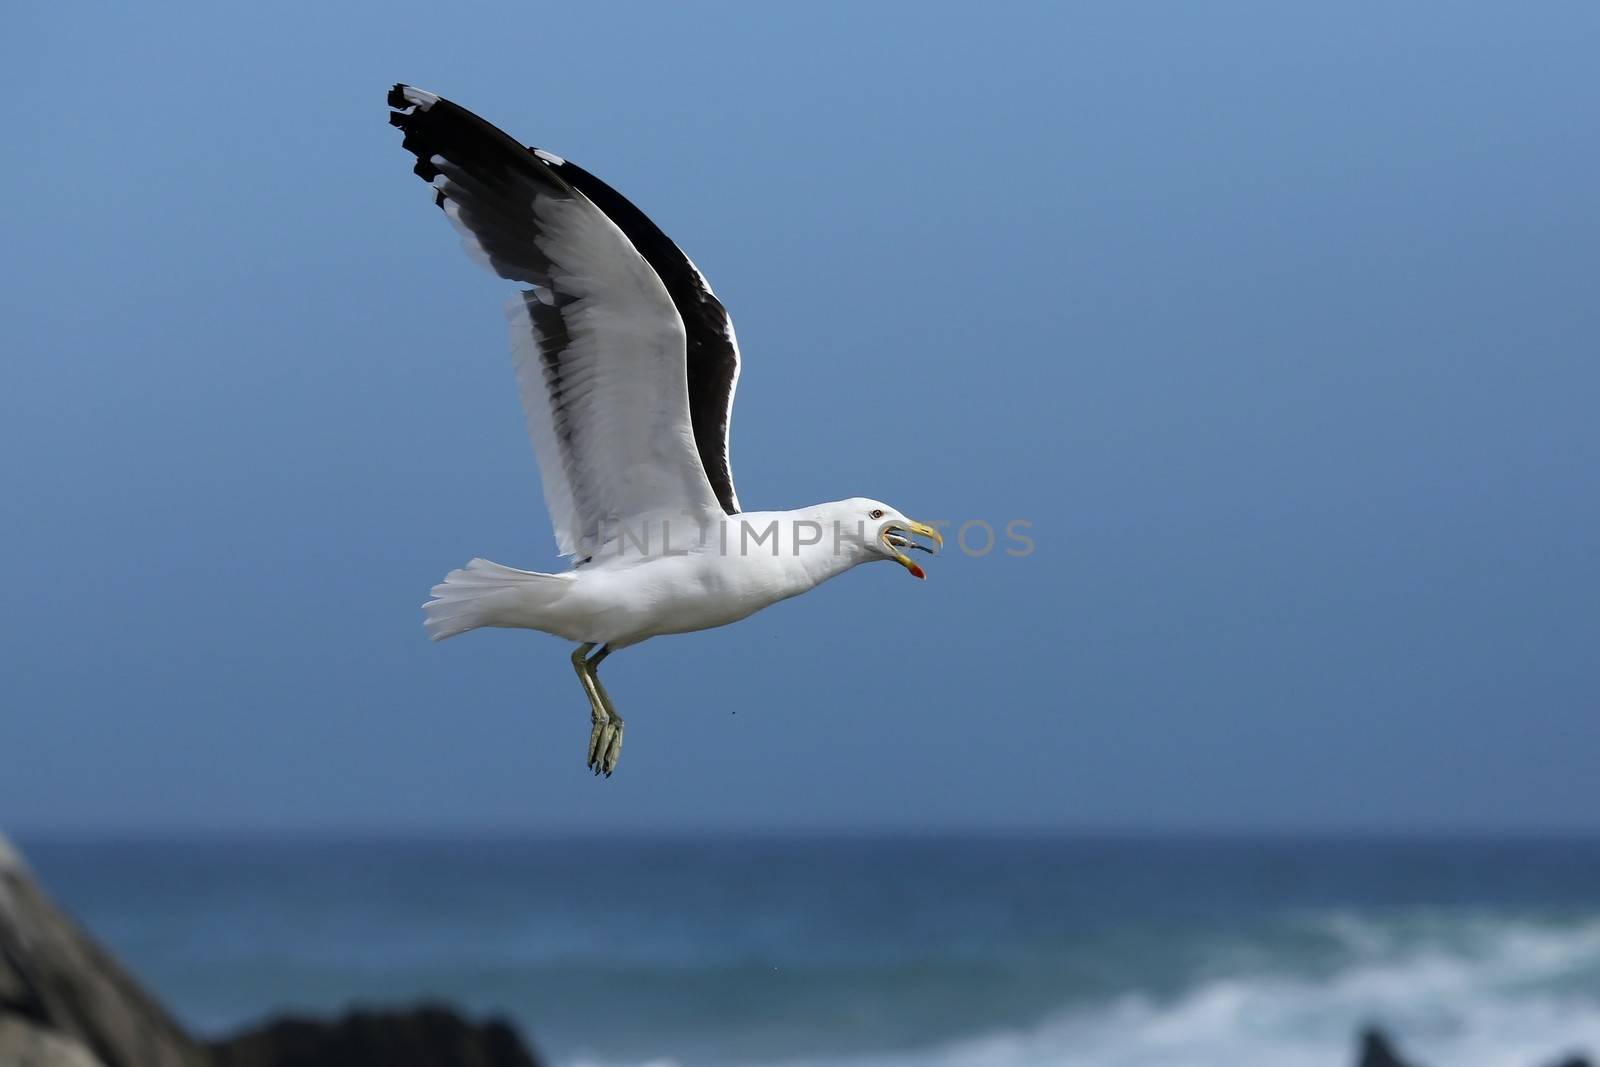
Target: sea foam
1460, 992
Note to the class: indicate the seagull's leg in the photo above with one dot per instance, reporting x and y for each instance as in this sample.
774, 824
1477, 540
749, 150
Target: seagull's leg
598, 717
611, 749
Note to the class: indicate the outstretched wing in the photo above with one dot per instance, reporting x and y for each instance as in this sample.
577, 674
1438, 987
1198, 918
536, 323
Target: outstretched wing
599, 346
712, 348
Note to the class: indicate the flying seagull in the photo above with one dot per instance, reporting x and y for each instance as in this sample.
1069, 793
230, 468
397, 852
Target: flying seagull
627, 364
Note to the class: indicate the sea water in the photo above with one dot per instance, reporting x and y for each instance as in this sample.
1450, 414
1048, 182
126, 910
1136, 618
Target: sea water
945, 951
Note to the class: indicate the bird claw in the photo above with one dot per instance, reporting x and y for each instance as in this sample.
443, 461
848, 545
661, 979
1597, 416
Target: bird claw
605, 745
605, 732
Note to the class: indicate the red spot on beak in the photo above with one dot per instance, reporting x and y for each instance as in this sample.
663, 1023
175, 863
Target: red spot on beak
916, 571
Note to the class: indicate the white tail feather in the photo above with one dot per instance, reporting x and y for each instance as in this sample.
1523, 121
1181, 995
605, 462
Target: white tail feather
484, 593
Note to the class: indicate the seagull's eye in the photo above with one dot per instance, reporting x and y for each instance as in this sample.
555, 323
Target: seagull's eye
875, 513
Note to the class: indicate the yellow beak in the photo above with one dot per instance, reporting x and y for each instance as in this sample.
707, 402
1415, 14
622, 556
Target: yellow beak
921, 530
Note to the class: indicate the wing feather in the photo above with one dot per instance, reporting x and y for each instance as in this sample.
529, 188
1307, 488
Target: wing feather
598, 343
712, 348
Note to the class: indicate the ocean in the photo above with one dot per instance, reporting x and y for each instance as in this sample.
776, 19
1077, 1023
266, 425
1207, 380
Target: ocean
871, 952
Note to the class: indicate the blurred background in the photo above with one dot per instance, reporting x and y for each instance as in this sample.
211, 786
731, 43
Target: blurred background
1276, 326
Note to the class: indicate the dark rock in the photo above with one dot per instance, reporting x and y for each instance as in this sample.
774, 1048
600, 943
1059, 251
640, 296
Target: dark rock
425, 1036
64, 1002
1378, 1051
59, 990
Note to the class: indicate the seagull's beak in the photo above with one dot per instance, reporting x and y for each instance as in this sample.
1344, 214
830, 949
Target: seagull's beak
895, 537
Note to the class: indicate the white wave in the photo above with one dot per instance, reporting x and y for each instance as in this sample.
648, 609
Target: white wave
1456, 993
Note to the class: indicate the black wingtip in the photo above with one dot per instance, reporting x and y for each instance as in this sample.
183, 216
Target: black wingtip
397, 96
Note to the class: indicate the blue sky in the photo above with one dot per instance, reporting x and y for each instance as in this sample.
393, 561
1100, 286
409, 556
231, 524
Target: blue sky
1277, 323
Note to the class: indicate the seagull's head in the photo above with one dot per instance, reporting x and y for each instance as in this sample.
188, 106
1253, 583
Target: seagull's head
890, 535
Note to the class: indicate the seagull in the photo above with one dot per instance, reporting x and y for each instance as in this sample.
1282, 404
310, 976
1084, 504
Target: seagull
626, 362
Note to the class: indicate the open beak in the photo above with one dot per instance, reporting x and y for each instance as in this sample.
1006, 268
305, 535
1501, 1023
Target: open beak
898, 536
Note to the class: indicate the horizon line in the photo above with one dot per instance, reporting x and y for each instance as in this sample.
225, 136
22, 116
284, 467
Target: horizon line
1086, 832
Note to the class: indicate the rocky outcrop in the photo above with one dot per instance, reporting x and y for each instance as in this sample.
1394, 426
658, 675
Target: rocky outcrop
1378, 1051
421, 1037
64, 995
64, 1002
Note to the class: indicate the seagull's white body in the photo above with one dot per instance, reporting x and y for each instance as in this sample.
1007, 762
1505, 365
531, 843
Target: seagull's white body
691, 584
626, 363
